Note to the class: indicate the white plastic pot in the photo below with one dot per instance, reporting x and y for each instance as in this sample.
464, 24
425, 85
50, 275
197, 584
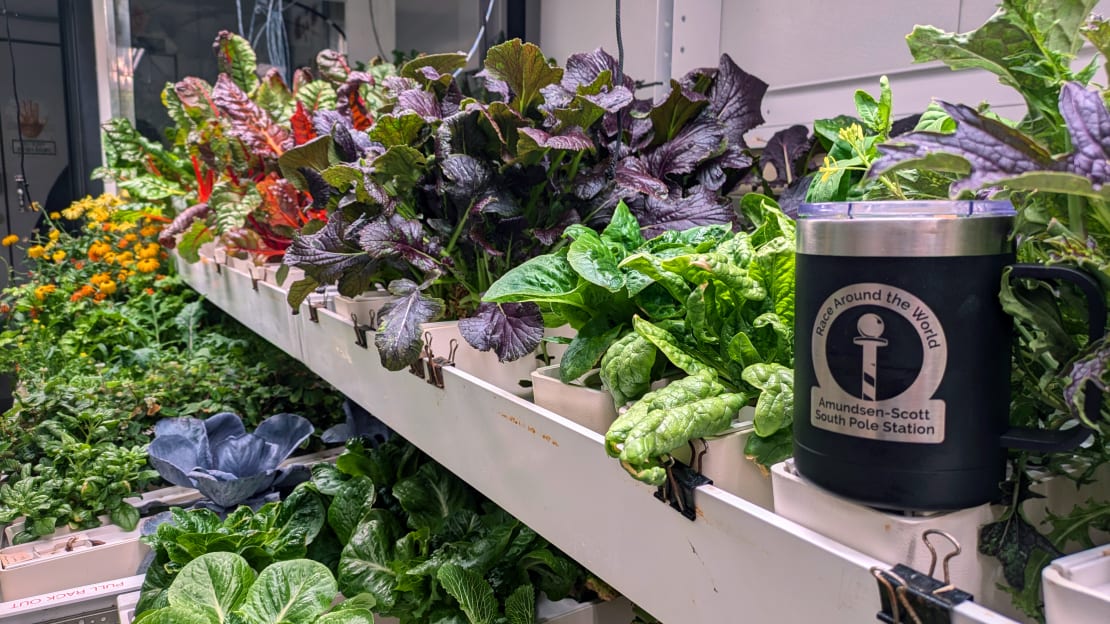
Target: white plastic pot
725, 463
589, 407
73, 560
482, 364
617, 611
894, 538
1077, 588
294, 274
364, 307
125, 606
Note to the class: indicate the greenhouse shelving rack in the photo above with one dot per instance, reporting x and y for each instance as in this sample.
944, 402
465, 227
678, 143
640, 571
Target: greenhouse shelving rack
736, 562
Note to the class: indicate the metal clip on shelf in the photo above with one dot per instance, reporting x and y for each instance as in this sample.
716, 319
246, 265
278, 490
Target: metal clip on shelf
361, 329
436, 364
910, 597
682, 480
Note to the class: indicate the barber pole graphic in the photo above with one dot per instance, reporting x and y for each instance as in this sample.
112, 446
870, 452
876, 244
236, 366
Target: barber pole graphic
870, 328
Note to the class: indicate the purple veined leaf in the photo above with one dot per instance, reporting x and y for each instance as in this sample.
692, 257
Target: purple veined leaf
345, 146
451, 101
735, 99
399, 339
332, 65
698, 206
248, 122
324, 121
697, 141
588, 183
550, 236
419, 101
584, 68
285, 433
331, 252
318, 187
611, 100
467, 175
495, 203
395, 237
495, 85
475, 234
195, 95
219, 427
632, 175
395, 85
988, 151
1088, 121
511, 330
555, 96
783, 152
571, 139
681, 106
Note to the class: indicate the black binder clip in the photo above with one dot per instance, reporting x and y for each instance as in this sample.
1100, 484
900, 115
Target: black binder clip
910, 597
682, 480
436, 364
360, 330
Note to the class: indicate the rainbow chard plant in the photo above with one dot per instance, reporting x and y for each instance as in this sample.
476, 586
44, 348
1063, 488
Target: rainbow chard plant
454, 191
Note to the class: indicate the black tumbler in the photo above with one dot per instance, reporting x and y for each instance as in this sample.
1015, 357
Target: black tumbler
903, 351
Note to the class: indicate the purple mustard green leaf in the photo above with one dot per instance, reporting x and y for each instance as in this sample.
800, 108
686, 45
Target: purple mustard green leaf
696, 142
419, 101
395, 237
682, 210
584, 68
735, 99
399, 338
784, 153
570, 139
669, 117
986, 150
467, 175
318, 187
632, 174
497, 203
1090, 372
512, 330
1088, 122
494, 85
331, 252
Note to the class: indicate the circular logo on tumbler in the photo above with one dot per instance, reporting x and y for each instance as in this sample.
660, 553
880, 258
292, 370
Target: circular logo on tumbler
879, 355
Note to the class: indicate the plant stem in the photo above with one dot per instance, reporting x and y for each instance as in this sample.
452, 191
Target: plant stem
1077, 206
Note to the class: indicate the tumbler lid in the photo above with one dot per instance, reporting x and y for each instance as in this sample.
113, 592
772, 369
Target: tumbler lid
916, 209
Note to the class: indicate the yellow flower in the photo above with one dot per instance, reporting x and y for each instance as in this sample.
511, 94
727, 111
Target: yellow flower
36, 252
148, 265
131, 236
55, 215
109, 257
149, 231
9, 240
125, 226
827, 169
150, 250
42, 291
852, 134
74, 211
54, 234
108, 287
99, 279
59, 256
125, 259
98, 251
83, 354
123, 275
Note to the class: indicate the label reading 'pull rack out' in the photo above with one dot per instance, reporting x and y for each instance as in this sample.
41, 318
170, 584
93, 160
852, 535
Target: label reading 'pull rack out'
879, 355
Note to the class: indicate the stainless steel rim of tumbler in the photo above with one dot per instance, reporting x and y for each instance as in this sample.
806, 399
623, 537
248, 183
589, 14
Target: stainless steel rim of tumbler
905, 238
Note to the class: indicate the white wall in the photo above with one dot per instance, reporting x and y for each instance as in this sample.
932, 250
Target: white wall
813, 53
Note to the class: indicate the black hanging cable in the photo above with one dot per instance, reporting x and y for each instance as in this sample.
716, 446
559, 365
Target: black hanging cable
24, 187
618, 80
374, 27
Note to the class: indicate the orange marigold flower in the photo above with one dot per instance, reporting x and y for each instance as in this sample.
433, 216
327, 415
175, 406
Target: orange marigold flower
149, 231
159, 278
9, 240
5, 308
123, 243
148, 265
149, 291
54, 235
79, 264
99, 279
41, 292
107, 288
150, 250
100, 296
131, 237
36, 252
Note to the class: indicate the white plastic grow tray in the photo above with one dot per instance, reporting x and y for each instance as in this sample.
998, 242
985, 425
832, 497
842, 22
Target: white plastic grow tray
1077, 588
88, 604
72, 560
736, 560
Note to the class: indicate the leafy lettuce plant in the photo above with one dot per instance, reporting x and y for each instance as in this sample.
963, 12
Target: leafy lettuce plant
222, 587
448, 193
717, 305
220, 459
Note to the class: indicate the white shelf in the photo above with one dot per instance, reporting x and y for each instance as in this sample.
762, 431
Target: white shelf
736, 563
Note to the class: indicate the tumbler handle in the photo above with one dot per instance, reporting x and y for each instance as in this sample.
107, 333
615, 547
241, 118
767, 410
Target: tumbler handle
1050, 441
